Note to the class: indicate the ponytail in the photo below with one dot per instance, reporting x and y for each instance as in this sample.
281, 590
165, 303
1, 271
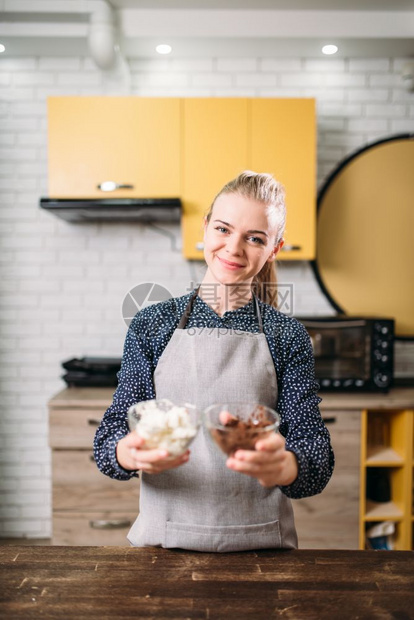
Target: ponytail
264, 284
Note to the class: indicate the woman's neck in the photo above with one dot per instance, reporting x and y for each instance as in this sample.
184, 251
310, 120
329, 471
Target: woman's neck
224, 297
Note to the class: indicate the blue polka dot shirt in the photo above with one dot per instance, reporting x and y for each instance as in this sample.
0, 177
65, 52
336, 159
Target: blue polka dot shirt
297, 400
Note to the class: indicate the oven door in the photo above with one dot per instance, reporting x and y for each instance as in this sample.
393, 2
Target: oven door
342, 351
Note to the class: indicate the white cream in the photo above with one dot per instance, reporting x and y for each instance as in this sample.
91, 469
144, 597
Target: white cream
169, 430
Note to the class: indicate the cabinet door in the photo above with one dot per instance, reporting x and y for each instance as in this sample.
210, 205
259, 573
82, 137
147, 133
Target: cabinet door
331, 520
78, 485
215, 151
90, 528
73, 428
283, 142
128, 140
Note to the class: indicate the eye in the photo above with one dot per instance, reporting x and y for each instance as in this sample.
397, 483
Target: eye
221, 229
256, 240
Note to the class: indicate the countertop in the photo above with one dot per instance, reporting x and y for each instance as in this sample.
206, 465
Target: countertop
397, 398
117, 582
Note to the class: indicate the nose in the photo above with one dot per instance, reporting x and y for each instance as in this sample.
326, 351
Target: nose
234, 245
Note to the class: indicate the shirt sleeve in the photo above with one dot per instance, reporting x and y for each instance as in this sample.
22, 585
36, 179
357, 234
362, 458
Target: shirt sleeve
301, 422
135, 384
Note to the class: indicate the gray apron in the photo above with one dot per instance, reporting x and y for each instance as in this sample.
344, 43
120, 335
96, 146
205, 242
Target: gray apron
203, 505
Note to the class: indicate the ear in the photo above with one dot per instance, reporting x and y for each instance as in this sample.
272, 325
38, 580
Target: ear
275, 251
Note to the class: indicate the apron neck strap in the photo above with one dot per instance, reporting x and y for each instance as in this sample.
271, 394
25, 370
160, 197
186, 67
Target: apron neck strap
258, 313
186, 314
187, 311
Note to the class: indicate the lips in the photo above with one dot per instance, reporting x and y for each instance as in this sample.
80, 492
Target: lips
229, 264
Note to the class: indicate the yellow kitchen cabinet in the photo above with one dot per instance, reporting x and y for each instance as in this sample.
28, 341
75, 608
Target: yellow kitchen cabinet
222, 137
283, 142
186, 148
130, 141
387, 447
215, 149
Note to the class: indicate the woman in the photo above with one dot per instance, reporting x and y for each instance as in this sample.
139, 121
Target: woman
217, 344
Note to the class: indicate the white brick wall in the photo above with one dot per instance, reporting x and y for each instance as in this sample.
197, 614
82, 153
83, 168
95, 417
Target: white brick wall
62, 285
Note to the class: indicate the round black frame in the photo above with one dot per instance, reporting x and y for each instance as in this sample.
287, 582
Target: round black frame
321, 194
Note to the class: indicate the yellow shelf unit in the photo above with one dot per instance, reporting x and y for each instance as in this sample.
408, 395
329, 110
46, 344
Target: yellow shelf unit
387, 442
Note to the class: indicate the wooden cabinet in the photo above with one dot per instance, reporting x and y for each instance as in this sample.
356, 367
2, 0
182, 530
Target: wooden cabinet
215, 150
283, 142
387, 474
131, 141
186, 148
222, 137
368, 431
330, 520
88, 507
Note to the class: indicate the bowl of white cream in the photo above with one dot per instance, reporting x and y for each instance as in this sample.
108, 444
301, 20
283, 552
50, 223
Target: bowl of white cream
164, 425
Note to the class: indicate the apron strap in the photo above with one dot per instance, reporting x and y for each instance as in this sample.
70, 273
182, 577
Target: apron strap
186, 314
187, 311
258, 313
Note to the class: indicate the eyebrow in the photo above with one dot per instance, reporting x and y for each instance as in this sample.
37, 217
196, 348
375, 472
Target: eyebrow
261, 232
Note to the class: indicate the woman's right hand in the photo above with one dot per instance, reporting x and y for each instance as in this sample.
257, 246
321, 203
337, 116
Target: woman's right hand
131, 456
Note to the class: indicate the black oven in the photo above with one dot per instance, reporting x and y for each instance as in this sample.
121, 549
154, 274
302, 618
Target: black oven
352, 353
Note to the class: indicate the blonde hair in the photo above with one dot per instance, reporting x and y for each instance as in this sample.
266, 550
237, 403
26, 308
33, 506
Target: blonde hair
264, 188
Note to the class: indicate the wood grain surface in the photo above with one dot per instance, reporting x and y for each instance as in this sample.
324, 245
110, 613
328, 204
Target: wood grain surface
114, 582
396, 398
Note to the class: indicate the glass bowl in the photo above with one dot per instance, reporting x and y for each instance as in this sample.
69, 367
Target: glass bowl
236, 426
164, 425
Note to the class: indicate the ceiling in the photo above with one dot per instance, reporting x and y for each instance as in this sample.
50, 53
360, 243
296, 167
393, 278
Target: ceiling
197, 28
290, 5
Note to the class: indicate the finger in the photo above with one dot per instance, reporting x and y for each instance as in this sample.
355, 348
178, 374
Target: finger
255, 469
272, 443
225, 417
149, 456
133, 440
266, 482
147, 468
242, 467
257, 463
179, 460
259, 457
160, 465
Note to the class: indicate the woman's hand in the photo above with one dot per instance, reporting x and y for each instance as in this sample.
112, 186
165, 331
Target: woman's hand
131, 456
270, 463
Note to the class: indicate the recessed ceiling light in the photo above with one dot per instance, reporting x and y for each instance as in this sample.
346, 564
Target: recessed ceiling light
329, 49
164, 48
2, 48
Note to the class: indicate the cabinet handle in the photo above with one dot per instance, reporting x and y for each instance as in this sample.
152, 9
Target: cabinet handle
199, 245
92, 458
329, 420
111, 186
109, 524
290, 248
93, 422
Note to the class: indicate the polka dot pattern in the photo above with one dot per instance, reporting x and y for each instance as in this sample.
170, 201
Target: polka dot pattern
291, 350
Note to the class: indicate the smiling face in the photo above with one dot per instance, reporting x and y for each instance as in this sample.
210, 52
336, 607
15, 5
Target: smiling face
238, 240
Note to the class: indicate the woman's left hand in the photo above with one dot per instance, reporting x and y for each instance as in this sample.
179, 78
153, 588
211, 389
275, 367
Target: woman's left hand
270, 462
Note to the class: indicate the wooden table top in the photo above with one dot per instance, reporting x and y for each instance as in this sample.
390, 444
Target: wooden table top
125, 582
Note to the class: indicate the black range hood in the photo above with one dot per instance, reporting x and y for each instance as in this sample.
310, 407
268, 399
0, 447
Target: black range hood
114, 209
